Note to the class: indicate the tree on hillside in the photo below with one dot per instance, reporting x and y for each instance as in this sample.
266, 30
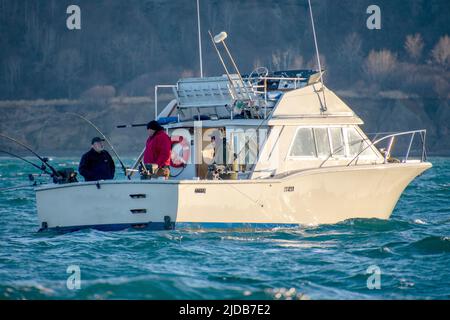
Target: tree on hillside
68, 68
350, 52
414, 46
380, 64
442, 88
349, 58
285, 60
12, 73
441, 52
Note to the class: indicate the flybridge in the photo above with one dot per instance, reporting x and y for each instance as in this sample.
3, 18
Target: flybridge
211, 92
219, 91
233, 96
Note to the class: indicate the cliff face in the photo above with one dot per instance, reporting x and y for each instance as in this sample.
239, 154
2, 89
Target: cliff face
50, 130
395, 115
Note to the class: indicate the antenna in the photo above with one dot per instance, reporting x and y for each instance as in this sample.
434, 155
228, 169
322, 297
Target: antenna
324, 107
199, 39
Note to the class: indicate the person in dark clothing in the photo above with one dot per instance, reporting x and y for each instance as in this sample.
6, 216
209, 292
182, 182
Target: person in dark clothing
97, 163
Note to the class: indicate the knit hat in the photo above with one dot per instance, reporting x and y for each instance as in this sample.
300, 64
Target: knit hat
154, 125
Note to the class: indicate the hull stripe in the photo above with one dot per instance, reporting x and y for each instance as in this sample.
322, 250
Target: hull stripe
180, 225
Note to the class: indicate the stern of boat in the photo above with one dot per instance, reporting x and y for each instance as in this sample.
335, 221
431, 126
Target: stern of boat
108, 205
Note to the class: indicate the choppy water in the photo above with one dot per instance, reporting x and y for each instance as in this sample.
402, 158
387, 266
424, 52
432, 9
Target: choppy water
412, 250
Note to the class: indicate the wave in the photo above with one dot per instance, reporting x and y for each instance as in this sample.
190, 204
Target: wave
431, 245
377, 225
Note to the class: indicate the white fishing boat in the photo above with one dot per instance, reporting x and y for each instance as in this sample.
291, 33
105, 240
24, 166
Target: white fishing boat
287, 160
259, 150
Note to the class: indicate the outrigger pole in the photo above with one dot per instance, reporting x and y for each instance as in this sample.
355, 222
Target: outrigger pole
104, 137
199, 39
324, 107
223, 63
220, 38
44, 160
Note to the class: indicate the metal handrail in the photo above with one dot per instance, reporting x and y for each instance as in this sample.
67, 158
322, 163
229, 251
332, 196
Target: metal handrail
278, 78
246, 85
422, 134
260, 78
296, 80
392, 137
333, 152
156, 96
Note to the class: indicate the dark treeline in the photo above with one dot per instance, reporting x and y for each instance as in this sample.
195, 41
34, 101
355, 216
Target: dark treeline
131, 45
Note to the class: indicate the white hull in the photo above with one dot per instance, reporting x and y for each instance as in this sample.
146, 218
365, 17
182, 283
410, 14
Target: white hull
315, 196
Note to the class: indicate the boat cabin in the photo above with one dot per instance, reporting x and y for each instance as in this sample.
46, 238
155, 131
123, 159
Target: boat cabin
261, 125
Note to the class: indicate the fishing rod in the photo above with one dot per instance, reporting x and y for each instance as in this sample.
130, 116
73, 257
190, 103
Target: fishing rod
44, 160
42, 167
104, 137
30, 176
19, 187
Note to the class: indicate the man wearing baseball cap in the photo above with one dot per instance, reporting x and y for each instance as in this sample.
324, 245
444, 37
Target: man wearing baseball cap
97, 163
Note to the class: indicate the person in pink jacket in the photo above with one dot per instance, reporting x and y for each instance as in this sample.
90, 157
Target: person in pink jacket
158, 149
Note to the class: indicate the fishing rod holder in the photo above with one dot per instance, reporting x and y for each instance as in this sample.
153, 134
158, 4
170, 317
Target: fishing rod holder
67, 175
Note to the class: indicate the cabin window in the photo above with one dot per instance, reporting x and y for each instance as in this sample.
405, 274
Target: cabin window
337, 142
322, 142
356, 144
303, 145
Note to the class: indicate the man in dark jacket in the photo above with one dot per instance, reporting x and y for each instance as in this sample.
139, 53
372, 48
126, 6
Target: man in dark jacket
97, 164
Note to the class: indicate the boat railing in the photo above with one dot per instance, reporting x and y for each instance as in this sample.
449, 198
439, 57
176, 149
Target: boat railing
265, 79
263, 89
391, 139
157, 87
218, 91
387, 153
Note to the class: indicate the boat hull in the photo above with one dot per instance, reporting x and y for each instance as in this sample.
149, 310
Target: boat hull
310, 197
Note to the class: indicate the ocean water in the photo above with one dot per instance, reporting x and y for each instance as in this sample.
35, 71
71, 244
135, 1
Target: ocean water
411, 252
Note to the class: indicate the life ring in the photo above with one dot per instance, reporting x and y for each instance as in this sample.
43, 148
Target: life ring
181, 152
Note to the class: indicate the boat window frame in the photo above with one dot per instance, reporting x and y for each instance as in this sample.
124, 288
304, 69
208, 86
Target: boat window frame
338, 156
316, 144
374, 149
316, 157
344, 128
291, 146
373, 156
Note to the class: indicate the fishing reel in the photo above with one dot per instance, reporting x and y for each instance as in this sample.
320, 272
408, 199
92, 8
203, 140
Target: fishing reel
148, 171
64, 176
222, 172
215, 171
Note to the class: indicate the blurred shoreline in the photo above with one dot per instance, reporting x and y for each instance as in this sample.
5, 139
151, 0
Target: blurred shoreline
46, 127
